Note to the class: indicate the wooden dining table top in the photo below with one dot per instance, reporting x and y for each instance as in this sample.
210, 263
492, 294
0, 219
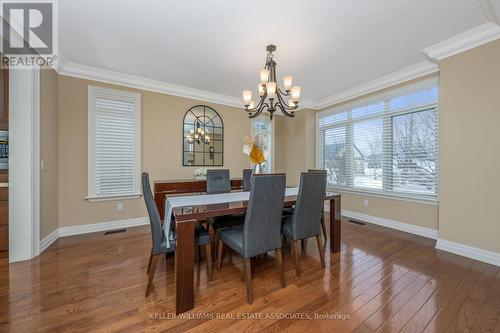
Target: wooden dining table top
203, 212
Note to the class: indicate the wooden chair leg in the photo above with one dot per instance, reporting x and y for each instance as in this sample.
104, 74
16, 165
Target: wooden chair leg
150, 260
248, 272
279, 259
216, 242
295, 253
219, 255
303, 245
323, 227
320, 249
208, 259
154, 262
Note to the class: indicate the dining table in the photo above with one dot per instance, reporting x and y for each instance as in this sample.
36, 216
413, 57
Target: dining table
186, 211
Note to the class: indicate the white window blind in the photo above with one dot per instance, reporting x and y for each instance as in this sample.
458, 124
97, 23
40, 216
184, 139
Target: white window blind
385, 144
114, 143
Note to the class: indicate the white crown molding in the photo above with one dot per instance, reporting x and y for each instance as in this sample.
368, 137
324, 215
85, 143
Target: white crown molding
410, 228
308, 103
386, 81
475, 253
137, 82
470, 39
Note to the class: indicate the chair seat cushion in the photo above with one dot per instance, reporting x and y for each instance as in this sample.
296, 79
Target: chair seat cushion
233, 237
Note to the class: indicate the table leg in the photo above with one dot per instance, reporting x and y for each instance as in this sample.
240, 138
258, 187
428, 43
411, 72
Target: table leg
335, 225
184, 267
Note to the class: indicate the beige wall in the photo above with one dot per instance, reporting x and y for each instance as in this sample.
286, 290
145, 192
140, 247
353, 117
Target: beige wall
422, 215
161, 149
295, 144
470, 151
48, 152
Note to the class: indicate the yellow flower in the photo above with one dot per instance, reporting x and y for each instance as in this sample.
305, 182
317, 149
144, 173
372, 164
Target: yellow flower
257, 155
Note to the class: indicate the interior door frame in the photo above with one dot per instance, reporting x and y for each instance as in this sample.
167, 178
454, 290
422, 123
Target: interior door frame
24, 164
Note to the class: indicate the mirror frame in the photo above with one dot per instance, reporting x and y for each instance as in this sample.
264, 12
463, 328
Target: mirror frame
184, 144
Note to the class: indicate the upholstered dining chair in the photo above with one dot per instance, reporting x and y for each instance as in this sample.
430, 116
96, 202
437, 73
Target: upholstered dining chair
261, 230
323, 222
218, 181
159, 247
247, 175
289, 211
304, 222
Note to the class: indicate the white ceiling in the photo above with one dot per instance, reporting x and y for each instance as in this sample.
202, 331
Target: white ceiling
219, 46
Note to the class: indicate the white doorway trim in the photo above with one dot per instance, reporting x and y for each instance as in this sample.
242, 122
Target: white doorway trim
24, 164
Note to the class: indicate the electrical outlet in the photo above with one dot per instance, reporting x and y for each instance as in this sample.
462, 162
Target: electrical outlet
119, 206
42, 165
365, 202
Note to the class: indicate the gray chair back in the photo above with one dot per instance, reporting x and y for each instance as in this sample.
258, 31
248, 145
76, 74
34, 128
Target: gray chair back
323, 172
317, 171
218, 181
310, 201
247, 175
262, 228
154, 215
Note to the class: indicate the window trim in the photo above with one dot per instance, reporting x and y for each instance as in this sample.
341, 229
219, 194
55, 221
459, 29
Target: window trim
411, 197
92, 195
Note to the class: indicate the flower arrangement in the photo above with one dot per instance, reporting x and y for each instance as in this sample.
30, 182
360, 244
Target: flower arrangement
255, 149
200, 174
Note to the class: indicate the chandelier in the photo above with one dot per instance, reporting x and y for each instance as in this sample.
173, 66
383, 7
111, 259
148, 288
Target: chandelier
272, 98
198, 136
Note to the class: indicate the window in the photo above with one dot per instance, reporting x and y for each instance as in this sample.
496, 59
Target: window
264, 126
114, 119
388, 144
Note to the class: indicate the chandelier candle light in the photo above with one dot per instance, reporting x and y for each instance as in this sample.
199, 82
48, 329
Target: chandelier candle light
272, 98
198, 136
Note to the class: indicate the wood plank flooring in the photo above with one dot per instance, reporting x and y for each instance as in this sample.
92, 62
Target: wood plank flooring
382, 281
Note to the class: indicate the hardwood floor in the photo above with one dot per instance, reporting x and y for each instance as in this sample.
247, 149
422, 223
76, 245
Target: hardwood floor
383, 280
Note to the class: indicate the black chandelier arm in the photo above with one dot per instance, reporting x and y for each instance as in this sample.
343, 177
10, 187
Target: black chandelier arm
262, 99
256, 114
284, 105
283, 109
283, 93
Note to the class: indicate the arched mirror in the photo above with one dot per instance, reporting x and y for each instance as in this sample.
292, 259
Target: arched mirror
203, 137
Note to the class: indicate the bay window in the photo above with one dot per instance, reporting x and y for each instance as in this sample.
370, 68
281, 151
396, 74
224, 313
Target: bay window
385, 144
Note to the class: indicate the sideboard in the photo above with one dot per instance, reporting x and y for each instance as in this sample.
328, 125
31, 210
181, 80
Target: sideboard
164, 188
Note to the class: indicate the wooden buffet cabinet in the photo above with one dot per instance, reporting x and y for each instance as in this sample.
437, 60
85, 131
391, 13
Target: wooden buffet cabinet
164, 188
4, 218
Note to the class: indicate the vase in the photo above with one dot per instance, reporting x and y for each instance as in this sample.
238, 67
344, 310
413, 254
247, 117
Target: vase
257, 168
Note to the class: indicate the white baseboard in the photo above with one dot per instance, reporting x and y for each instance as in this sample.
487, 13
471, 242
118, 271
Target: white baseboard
48, 240
99, 227
469, 251
89, 228
410, 228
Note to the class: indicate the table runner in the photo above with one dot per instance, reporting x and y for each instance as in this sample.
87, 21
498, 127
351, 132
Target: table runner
205, 199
